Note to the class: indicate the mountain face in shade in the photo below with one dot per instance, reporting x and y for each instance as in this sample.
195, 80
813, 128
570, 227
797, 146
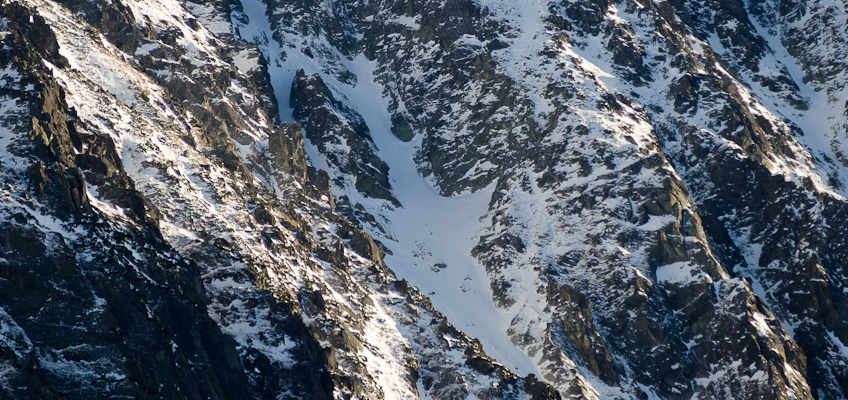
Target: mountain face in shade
436, 199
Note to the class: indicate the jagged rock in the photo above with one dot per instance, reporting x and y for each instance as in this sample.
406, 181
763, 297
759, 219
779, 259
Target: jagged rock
341, 135
287, 153
114, 308
581, 335
538, 390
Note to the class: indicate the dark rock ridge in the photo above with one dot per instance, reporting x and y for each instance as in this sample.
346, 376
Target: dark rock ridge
88, 301
454, 86
341, 136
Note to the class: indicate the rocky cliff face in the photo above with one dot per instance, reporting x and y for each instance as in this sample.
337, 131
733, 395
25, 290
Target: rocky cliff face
423, 199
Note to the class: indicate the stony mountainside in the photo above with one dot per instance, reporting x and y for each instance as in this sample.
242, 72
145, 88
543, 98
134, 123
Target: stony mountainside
488, 199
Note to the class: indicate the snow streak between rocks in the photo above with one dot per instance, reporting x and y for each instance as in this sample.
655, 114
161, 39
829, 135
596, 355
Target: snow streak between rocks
429, 231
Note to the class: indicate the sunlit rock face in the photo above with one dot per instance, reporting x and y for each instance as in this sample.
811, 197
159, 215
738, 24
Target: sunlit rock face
491, 199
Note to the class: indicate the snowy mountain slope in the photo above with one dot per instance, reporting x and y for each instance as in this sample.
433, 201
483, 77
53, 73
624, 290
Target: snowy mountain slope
304, 294
627, 77
624, 199
88, 282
